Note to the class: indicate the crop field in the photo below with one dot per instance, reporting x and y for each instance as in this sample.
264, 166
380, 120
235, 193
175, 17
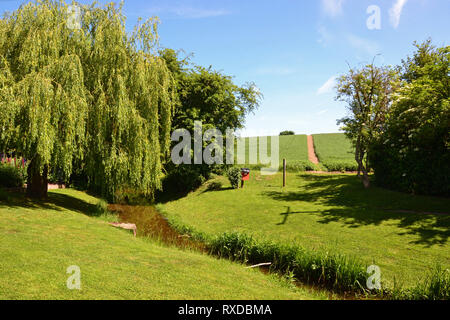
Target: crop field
334, 152
291, 148
333, 146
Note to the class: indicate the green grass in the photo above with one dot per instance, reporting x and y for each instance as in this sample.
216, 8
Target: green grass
39, 240
328, 212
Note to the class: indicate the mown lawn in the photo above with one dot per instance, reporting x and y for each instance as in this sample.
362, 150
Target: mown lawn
39, 240
333, 146
399, 232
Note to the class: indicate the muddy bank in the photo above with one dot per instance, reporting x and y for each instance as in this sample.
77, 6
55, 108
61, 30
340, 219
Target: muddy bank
150, 223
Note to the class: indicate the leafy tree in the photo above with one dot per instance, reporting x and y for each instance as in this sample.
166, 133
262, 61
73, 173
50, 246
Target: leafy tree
367, 92
287, 133
413, 154
206, 95
95, 101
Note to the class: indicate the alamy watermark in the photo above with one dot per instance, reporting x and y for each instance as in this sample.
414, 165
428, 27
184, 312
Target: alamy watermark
220, 147
74, 17
374, 279
74, 280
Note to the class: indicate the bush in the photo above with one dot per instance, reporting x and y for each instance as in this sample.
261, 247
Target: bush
214, 186
287, 133
340, 165
11, 177
299, 166
185, 178
234, 176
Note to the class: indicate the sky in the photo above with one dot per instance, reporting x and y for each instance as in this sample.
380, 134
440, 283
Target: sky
293, 50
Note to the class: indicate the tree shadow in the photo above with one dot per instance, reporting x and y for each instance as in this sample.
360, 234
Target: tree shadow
55, 201
289, 212
354, 206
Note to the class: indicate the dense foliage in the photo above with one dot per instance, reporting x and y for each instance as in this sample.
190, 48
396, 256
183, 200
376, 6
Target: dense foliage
287, 133
11, 176
211, 97
93, 102
413, 153
234, 176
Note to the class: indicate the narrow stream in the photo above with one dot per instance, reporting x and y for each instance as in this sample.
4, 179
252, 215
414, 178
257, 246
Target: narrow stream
150, 223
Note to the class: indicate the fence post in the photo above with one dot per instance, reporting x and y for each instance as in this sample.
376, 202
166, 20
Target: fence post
284, 172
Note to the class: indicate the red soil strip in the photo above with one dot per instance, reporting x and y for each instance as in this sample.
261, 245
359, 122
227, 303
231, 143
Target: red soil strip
311, 153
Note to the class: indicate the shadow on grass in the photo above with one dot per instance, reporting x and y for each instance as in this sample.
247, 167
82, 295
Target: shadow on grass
289, 212
354, 206
55, 201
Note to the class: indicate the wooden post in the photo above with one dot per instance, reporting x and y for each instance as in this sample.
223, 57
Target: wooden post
284, 172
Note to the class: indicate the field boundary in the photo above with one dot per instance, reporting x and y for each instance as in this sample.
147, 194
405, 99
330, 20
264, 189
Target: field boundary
311, 152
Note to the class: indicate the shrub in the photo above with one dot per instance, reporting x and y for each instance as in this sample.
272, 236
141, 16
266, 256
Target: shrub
298, 166
340, 165
234, 176
287, 133
214, 186
185, 178
11, 177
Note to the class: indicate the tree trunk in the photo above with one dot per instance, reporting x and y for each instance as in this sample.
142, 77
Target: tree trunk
37, 182
365, 179
359, 157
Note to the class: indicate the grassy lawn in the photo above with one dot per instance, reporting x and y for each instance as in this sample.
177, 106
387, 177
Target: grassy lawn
39, 240
292, 148
332, 212
333, 146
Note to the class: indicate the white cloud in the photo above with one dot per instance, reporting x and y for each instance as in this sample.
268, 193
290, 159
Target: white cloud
322, 112
189, 12
363, 45
396, 11
328, 86
324, 36
332, 7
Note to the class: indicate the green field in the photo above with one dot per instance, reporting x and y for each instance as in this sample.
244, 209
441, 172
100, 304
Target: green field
398, 232
39, 240
333, 146
291, 148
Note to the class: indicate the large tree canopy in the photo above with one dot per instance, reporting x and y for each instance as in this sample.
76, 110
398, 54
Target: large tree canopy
413, 154
94, 100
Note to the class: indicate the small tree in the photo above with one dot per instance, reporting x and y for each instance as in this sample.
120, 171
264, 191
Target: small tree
368, 94
234, 176
287, 133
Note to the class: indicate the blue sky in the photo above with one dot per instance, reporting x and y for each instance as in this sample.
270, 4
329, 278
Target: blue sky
292, 50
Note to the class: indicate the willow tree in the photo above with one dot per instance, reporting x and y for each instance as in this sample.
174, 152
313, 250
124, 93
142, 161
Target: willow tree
92, 99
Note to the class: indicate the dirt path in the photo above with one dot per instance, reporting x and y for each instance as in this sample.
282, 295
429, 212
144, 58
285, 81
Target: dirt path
311, 153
